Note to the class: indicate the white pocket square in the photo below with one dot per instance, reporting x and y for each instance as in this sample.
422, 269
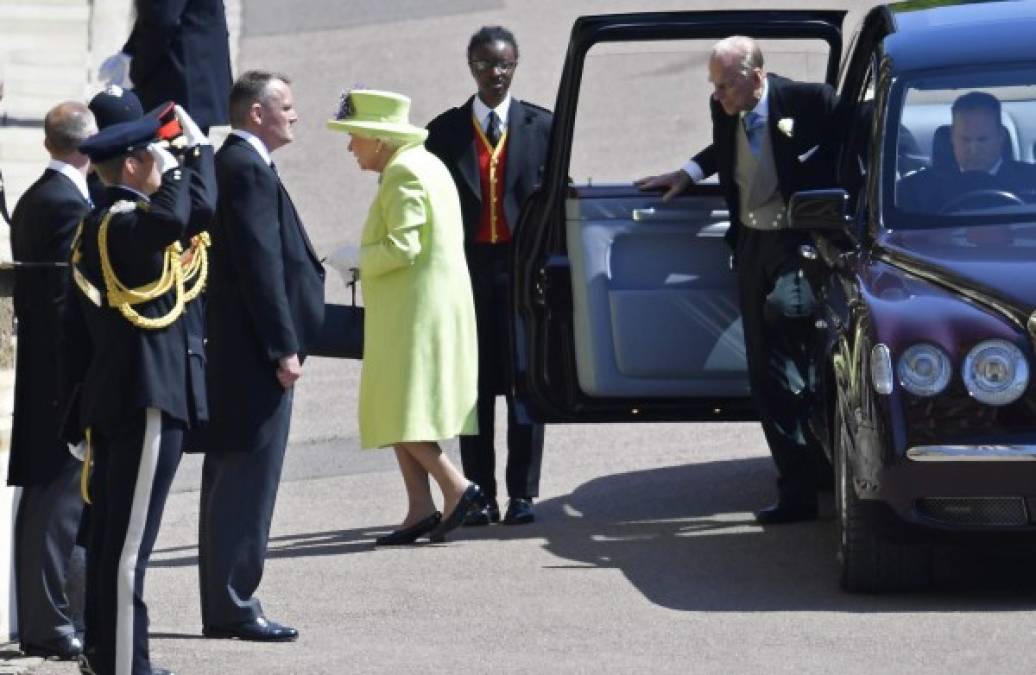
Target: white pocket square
807, 154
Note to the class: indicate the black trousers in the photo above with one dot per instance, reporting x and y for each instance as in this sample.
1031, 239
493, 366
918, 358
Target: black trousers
45, 533
134, 465
777, 311
238, 493
487, 264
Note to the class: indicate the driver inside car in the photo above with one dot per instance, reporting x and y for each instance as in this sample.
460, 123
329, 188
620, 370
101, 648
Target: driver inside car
981, 175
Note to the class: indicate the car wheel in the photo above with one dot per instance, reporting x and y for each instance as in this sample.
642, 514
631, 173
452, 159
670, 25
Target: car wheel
871, 561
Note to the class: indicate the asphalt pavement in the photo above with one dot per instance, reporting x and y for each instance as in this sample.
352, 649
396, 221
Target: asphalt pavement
644, 557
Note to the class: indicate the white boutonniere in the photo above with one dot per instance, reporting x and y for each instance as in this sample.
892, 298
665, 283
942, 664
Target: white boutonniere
787, 126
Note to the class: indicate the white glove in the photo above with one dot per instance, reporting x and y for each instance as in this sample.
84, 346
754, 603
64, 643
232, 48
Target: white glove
163, 158
191, 131
78, 451
345, 259
115, 70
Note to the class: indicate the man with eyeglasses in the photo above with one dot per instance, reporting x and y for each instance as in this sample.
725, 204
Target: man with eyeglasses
771, 138
494, 146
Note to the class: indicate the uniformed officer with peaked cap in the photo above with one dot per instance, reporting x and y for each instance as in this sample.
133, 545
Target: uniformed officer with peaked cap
128, 349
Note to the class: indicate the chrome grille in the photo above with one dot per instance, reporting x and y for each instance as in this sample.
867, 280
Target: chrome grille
988, 511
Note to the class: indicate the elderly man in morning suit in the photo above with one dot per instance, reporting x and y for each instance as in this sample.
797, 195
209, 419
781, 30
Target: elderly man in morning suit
769, 141
42, 228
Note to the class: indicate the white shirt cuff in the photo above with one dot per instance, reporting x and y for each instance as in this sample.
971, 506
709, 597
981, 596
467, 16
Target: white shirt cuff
692, 169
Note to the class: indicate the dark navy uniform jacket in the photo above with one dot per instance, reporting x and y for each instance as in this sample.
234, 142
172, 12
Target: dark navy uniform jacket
117, 367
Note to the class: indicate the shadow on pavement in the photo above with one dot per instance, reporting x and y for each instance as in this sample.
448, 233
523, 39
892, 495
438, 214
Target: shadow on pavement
684, 536
334, 542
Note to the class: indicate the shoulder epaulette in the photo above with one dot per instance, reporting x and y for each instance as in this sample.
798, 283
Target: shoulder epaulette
123, 206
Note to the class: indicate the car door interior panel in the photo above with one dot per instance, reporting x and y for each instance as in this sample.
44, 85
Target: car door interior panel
654, 300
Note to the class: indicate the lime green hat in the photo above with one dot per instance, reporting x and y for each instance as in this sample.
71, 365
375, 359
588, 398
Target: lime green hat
377, 114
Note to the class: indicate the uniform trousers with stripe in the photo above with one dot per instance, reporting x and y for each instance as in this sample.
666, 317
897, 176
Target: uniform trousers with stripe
134, 465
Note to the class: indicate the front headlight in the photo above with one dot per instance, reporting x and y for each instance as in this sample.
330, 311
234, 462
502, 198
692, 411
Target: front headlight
996, 372
924, 369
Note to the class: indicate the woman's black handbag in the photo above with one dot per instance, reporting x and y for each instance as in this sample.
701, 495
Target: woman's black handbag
341, 336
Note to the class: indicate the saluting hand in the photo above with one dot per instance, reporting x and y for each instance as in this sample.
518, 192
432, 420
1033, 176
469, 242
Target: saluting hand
288, 370
674, 183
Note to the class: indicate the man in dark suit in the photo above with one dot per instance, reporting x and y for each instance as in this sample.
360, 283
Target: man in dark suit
265, 309
494, 146
771, 138
124, 342
180, 52
42, 229
979, 174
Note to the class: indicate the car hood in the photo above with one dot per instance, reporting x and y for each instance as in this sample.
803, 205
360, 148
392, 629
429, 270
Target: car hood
991, 263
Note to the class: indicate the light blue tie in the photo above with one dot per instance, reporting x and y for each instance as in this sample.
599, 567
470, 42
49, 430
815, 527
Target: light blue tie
754, 128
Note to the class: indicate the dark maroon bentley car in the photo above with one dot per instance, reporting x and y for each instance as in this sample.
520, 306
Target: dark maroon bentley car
925, 268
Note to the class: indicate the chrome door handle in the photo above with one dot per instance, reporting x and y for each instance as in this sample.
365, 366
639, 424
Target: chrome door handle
643, 214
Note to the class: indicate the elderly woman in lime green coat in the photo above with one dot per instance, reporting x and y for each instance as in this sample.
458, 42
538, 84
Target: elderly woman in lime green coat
419, 379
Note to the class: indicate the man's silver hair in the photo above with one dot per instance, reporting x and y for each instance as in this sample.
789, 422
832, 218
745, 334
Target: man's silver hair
740, 47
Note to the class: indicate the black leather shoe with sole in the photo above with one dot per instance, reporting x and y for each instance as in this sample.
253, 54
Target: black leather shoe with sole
451, 522
259, 629
408, 535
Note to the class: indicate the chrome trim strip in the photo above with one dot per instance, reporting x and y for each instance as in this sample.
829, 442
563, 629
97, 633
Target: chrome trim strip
972, 453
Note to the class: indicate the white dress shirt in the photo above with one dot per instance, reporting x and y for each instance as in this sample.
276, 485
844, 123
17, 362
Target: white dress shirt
256, 143
71, 173
481, 112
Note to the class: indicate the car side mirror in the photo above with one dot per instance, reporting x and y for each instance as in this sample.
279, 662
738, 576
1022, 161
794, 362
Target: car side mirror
819, 210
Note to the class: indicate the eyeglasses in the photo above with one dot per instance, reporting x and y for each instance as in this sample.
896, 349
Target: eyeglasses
481, 65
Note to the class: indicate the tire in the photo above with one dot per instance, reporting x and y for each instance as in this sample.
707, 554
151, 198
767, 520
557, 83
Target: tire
870, 560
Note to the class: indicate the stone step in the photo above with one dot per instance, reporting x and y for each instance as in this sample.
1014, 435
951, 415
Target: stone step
42, 3
48, 22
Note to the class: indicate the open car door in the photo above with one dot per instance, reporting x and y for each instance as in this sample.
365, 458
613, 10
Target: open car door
625, 306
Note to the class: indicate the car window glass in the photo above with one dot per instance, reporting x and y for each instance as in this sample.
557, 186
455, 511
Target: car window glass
975, 168
644, 106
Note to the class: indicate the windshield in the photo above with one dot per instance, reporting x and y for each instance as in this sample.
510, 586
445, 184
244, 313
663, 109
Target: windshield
964, 149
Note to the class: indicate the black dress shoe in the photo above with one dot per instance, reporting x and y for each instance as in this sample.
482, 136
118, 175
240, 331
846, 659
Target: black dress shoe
484, 512
65, 648
161, 671
259, 629
786, 511
456, 517
408, 535
519, 512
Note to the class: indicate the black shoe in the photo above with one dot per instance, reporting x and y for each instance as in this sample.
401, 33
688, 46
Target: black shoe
65, 648
259, 629
787, 511
408, 535
484, 512
519, 511
456, 517
161, 671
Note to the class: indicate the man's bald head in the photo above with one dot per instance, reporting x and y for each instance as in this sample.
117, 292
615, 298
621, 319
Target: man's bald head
736, 73
66, 126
